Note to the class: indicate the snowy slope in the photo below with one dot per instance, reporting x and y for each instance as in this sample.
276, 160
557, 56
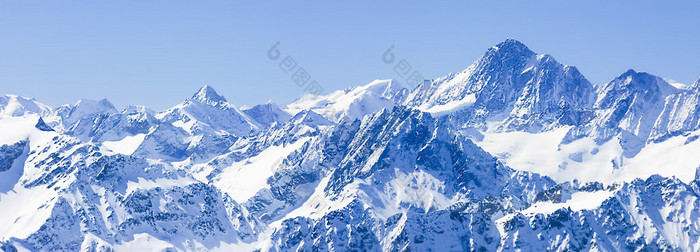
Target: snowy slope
352, 103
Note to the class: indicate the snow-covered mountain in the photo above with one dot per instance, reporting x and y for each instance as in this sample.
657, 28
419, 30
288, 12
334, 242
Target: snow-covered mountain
512, 85
13, 105
84, 110
629, 106
515, 153
208, 111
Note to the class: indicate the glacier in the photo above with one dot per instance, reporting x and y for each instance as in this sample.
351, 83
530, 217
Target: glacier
517, 152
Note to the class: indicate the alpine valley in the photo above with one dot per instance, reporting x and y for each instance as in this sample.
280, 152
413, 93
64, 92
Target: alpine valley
517, 152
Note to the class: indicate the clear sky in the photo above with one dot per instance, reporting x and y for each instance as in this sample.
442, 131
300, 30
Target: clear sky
156, 53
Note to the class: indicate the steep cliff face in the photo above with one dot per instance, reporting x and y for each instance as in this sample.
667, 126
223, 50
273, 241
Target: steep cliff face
680, 114
629, 106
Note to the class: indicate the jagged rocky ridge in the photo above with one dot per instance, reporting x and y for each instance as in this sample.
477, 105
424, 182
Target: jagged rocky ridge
372, 168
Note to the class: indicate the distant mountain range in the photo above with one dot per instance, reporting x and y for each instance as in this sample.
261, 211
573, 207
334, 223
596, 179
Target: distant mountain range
517, 152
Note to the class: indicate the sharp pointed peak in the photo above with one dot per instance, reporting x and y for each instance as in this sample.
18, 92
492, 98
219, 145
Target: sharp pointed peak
630, 72
642, 81
635, 75
41, 125
639, 76
512, 44
512, 51
274, 102
207, 94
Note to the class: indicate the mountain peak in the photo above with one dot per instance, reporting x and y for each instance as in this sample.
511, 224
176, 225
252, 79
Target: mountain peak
84, 108
632, 82
207, 93
630, 72
511, 44
510, 53
41, 125
101, 105
639, 79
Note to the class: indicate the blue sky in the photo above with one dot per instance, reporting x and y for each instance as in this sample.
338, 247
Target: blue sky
156, 53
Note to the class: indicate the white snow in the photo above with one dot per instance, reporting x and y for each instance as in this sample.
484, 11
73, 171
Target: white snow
543, 153
586, 161
24, 211
676, 84
144, 184
578, 201
22, 128
317, 205
243, 179
450, 89
126, 146
15, 129
13, 105
527, 151
417, 188
351, 103
452, 106
143, 242
207, 111
672, 157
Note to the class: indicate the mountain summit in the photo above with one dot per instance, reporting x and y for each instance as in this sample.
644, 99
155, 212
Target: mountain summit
208, 94
532, 90
509, 52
